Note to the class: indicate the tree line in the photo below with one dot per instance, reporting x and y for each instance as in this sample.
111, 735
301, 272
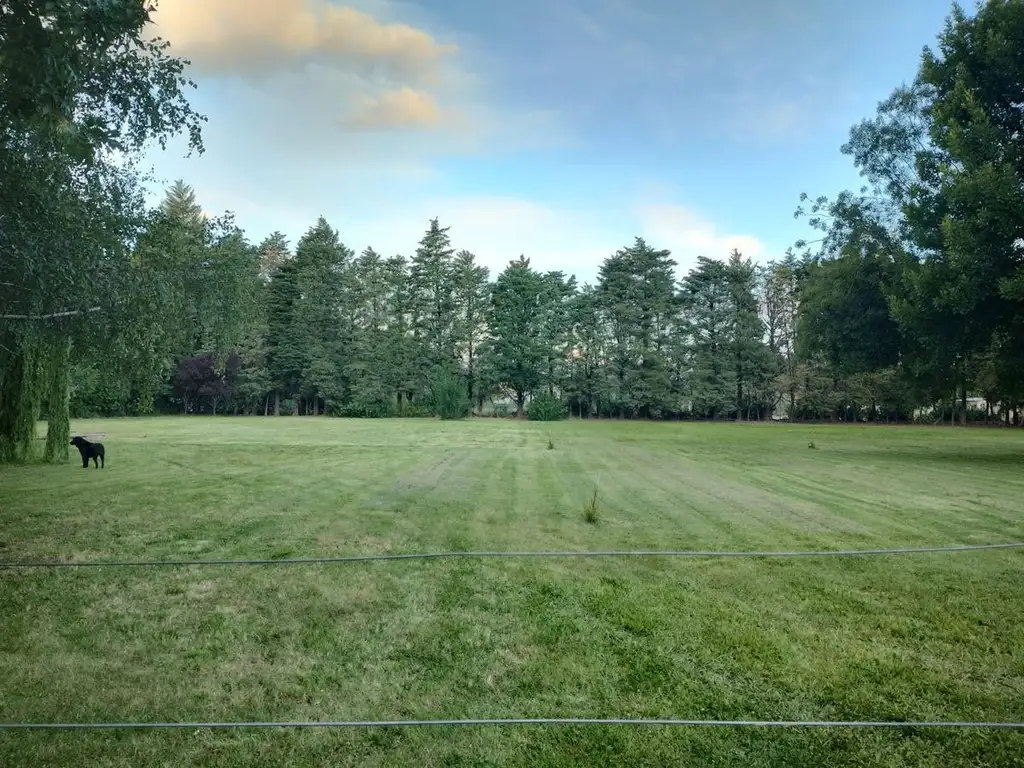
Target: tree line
910, 300
258, 328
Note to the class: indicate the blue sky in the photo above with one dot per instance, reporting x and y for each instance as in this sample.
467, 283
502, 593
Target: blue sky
560, 130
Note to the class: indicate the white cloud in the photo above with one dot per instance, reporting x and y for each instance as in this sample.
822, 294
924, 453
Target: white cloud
688, 235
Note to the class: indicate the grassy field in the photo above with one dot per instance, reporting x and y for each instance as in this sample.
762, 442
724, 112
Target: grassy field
923, 637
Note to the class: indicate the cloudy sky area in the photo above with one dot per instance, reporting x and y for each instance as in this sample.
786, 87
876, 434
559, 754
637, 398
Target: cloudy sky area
560, 130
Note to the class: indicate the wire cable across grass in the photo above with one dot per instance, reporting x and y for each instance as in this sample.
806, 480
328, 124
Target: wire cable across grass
520, 721
479, 555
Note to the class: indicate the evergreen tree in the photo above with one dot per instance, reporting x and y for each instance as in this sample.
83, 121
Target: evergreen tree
636, 287
471, 297
517, 351
432, 280
404, 351
180, 204
554, 315
321, 309
747, 352
587, 388
707, 293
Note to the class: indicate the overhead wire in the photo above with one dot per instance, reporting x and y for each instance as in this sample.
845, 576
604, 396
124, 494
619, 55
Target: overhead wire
480, 722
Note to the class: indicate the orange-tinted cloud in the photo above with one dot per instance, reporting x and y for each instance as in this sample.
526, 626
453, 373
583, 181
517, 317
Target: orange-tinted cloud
251, 36
401, 109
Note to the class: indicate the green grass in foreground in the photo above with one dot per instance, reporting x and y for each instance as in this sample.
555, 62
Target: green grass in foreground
922, 637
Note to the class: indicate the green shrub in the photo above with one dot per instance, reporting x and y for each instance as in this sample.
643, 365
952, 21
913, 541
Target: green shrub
416, 411
448, 396
369, 408
545, 407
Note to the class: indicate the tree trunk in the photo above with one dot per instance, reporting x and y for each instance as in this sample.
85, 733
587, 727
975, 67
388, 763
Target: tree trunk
520, 404
963, 402
266, 406
277, 403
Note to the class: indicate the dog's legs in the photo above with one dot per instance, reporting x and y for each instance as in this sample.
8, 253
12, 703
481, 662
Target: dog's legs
85, 462
103, 460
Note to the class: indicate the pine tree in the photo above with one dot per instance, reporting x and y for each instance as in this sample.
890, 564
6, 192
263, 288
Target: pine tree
180, 203
636, 289
516, 350
432, 279
707, 299
472, 296
404, 351
586, 353
554, 313
322, 310
746, 348
273, 253
371, 367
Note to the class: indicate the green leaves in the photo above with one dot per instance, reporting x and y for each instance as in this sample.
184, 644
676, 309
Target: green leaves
83, 75
935, 241
77, 83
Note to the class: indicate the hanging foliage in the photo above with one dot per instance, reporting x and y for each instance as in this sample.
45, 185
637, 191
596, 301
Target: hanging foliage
19, 402
58, 401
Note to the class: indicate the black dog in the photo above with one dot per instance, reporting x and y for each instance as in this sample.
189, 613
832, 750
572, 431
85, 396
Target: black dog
89, 450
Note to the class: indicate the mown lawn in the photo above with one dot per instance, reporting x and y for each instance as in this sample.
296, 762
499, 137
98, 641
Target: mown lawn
923, 637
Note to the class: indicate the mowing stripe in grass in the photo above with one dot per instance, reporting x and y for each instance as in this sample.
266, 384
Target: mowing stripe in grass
451, 555
520, 721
